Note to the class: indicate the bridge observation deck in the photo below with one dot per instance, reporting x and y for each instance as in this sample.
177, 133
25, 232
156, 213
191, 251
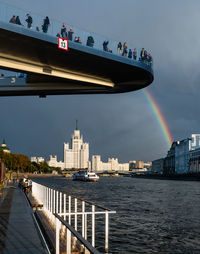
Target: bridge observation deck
52, 71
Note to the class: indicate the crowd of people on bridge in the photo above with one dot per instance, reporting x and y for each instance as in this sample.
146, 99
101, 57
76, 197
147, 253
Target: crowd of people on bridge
122, 50
29, 21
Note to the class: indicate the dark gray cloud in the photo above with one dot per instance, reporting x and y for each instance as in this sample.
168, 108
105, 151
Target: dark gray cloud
122, 125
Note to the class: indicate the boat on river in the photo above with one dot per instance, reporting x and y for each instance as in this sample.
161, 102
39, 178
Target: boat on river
85, 176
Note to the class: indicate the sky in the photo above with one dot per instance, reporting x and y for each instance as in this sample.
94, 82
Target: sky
119, 125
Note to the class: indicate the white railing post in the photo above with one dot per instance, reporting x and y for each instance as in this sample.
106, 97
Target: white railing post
69, 218
60, 202
64, 206
57, 236
51, 200
69, 221
85, 226
56, 201
93, 225
75, 210
47, 198
68, 242
83, 218
106, 231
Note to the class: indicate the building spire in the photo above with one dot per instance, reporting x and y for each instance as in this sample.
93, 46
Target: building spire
76, 124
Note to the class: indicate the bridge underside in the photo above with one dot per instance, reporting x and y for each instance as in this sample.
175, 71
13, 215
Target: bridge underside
52, 71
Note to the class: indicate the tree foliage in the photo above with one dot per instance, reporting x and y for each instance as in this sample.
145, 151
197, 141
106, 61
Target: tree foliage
21, 163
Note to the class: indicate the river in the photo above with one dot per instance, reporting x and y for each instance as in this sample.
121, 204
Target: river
153, 216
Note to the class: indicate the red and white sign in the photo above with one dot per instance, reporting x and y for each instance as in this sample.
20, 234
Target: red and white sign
62, 43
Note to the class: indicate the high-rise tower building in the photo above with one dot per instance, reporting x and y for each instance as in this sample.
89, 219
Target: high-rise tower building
76, 156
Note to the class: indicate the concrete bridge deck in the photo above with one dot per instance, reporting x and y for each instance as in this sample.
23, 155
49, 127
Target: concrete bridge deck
52, 71
20, 234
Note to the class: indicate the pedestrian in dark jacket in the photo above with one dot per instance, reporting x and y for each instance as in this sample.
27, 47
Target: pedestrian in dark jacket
18, 22
134, 54
125, 49
142, 55
63, 31
13, 20
29, 21
119, 48
130, 54
46, 24
105, 45
90, 41
70, 34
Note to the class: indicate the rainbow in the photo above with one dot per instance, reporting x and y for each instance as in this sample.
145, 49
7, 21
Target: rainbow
160, 118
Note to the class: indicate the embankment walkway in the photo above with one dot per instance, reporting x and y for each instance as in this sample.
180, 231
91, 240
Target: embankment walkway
18, 230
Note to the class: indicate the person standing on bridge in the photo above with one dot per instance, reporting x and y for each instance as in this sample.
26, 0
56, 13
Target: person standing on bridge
119, 48
90, 41
70, 34
125, 49
29, 21
18, 22
46, 24
63, 31
130, 54
13, 20
134, 54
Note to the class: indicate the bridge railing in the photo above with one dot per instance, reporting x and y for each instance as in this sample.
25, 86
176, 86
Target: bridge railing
76, 212
7, 11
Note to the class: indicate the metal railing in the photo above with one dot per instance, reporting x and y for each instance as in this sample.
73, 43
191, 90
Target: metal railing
78, 212
70, 230
7, 11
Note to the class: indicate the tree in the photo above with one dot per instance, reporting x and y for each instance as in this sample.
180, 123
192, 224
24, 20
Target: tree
44, 167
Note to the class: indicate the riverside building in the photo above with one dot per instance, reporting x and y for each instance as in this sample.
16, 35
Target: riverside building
182, 157
77, 155
111, 165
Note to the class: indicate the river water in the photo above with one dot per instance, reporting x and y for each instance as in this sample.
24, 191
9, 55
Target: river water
153, 216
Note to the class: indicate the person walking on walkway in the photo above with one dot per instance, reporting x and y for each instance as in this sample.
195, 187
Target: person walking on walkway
29, 21
46, 24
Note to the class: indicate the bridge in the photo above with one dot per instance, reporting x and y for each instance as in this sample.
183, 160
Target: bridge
52, 71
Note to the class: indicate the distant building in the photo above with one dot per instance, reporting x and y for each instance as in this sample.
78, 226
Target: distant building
194, 161
37, 159
111, 165
132, 165
76, 156
139, 164
181, 157
148, 165
54, 163
4, 147
157, 166
169, 162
